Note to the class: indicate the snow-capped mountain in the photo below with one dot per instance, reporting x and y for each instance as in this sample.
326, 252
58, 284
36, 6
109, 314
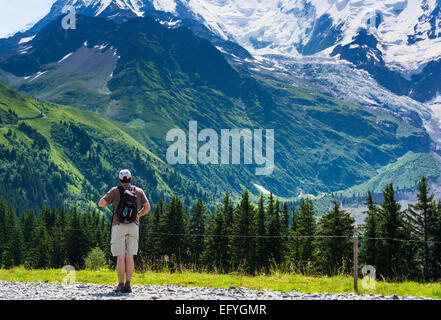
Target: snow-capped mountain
403, 54
123, 9
407, 34
404, 28
347, 49
398, 42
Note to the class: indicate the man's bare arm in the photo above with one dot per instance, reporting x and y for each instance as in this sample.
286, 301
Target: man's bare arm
145, 209
103, 203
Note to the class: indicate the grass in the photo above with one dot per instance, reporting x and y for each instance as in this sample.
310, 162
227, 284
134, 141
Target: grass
277, 282
405, 173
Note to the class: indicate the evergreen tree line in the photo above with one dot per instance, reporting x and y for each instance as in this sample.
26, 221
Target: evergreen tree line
252, 238
404, 244
33, 180
52, 239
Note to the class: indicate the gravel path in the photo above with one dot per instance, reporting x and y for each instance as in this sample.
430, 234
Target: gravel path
80, 291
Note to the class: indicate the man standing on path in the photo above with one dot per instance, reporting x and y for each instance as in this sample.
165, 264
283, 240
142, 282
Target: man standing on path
125, 234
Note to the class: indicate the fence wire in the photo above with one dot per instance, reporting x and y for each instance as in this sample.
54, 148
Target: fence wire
265, 236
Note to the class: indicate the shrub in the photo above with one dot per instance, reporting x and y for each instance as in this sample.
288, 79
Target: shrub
95, 259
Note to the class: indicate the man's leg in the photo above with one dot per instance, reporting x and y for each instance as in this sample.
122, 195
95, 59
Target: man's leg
130, 266
131, 250
117, 248
121, 267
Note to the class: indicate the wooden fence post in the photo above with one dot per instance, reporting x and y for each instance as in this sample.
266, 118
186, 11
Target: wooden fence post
355, 259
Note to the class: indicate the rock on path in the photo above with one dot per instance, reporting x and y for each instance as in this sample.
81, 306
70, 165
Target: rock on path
85, 291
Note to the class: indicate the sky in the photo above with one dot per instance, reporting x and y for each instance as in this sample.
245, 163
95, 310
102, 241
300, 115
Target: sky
17, 15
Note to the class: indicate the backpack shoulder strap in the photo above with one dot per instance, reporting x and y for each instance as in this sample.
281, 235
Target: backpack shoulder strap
121, 193
121, 190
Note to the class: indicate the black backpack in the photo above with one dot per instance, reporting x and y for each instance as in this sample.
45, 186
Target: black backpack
127, 210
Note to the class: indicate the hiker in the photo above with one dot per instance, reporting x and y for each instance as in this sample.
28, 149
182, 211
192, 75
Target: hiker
126, 200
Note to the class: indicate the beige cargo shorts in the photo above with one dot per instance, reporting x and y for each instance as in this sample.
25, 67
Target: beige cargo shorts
124, 239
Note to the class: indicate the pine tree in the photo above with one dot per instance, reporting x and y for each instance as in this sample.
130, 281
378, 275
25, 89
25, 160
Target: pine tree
294, 251
174, 224
3, 228
145, 247
243, 241
212, 256
13, 247
40, 251
391, 262
437, 240
48, 216
28, 221
197, 231
424, 221
156, 230
261, 232
285, 232
59, 257
63, 216
335, 253
95, 229
217, 253
306, 231
87, 229
104, 237
274, 231
76, 239
186, 239
226, 231
368, 253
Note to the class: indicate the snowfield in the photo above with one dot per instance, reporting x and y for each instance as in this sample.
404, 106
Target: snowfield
284, 26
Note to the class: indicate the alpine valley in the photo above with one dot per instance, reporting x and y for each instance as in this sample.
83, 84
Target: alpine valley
351, 89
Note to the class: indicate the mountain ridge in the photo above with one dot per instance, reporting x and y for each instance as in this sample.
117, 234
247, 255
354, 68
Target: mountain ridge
143, 86
299, 28
160, 78
53, 154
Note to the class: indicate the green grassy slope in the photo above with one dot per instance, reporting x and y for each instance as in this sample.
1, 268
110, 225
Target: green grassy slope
52, 154
404, 173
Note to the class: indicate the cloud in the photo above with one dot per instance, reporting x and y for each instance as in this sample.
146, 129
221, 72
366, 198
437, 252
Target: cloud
17, 15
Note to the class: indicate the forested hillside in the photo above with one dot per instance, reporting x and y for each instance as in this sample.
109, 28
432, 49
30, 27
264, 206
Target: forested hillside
55, 155
240, 236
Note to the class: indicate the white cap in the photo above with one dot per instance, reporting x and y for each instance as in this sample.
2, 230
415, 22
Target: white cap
125, 175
